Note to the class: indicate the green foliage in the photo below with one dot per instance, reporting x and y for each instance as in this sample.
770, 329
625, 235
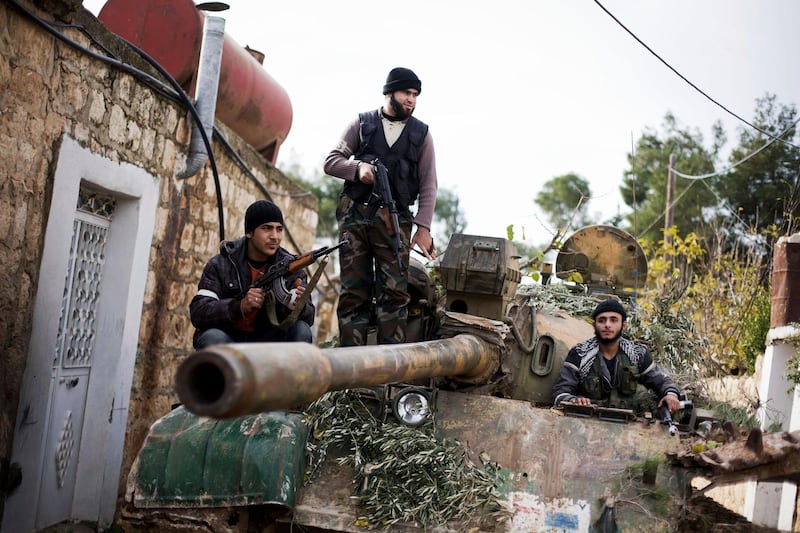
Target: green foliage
793, 364
563, 200
644, 189
448, 215
726, 411
715, 297
510, 232
758, 195
671, 339
402, 474
755, 326
764, 188
636, 486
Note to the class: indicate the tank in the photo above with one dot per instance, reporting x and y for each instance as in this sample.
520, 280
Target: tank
480, 371
249, 100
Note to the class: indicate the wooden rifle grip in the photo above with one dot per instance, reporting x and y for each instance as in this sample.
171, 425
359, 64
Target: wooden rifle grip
387, 220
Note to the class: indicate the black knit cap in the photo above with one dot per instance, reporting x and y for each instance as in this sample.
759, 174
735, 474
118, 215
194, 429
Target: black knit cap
400, 78
261, 212
610, 306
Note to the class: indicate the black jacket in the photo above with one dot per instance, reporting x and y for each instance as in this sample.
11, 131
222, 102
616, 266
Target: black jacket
223, 284
580, 365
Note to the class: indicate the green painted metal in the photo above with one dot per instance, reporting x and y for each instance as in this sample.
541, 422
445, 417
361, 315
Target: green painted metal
191, 461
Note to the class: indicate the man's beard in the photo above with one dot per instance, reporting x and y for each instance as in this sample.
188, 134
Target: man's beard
603, 340
398, 108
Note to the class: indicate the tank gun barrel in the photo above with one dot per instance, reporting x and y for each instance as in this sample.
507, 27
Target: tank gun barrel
229, 380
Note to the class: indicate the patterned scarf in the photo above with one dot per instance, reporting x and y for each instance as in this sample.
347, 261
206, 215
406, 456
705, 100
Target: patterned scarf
590, 348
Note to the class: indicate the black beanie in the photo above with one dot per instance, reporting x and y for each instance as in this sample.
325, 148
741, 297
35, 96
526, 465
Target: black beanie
261, 212
400, 78
610, 306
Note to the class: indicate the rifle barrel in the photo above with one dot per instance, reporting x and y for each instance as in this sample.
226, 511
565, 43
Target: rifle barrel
302, 261
666, 419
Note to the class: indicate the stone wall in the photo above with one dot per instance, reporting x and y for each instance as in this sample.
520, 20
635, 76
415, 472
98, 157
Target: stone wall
49, 89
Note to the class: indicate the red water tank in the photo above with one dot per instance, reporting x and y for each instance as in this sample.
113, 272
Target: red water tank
249, 100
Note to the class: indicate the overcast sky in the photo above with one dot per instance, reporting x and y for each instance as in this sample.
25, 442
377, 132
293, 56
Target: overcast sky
517, 92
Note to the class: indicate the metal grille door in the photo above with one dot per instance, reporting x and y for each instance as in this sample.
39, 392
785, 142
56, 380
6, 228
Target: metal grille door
73, 356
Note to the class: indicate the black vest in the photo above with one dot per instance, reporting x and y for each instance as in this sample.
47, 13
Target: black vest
401, 160
593, 386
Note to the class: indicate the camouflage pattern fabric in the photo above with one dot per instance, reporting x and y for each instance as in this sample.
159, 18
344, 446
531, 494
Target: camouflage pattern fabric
640, 402
369, 272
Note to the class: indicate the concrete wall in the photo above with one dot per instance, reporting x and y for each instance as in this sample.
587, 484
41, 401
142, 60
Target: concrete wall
49, 92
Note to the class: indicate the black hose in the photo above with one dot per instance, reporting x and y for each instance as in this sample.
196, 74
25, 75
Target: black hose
179, 96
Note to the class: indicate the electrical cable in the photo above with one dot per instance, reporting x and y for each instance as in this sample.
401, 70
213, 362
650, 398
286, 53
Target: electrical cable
723, 203
140, 74
681, 76
772, 138
146, 78
196, 117
231, 151
664, 212
728, 169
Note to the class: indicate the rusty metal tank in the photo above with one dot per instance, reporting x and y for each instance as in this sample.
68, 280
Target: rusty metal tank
249, 101
485, 373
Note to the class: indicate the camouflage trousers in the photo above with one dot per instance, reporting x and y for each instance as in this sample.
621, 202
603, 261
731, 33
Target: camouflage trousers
372, 281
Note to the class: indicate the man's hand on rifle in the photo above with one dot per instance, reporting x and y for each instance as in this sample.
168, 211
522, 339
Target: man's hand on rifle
296, 292
581, 400
424, 240
672, 402
366, 173
252, 301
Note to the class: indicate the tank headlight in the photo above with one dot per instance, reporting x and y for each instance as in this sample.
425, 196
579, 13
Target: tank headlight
411, 406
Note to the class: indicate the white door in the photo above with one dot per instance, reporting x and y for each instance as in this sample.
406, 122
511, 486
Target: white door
72, 362
74, 396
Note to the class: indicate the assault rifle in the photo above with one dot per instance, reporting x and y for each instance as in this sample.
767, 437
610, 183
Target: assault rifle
382, 194
271, 281
666, 416
666, 419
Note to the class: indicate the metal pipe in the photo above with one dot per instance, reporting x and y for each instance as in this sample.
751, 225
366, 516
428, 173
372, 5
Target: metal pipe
229, 380
205, 93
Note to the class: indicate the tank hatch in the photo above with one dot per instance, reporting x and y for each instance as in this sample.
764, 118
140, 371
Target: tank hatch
608, 259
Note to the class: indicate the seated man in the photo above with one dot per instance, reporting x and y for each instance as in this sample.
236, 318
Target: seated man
227, 309
607, 369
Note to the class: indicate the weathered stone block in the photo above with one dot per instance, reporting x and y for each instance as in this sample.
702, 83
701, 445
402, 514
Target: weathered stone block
97, 107
117, 125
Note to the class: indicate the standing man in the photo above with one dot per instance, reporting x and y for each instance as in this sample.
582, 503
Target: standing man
369, 268
226, 309
608, 368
